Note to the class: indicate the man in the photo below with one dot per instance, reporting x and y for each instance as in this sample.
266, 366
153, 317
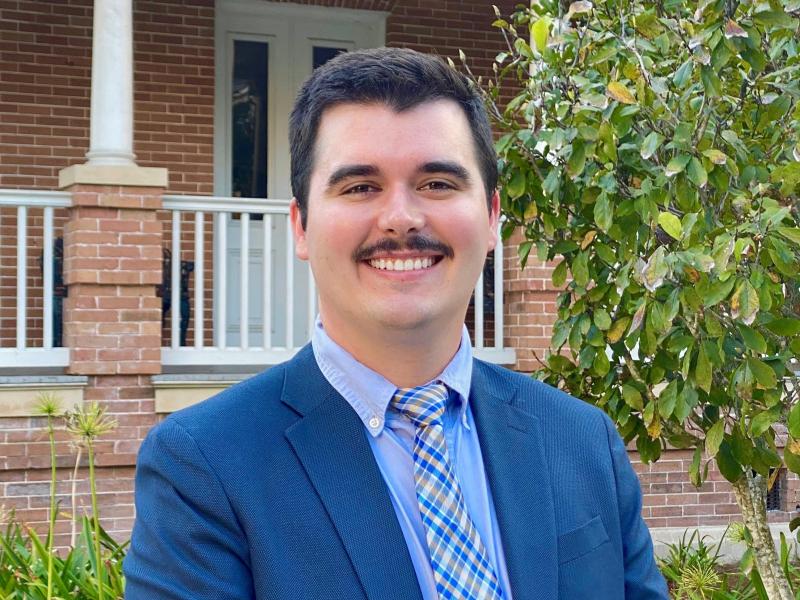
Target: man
383, 462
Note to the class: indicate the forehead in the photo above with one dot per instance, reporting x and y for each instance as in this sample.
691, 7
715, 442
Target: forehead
379, 135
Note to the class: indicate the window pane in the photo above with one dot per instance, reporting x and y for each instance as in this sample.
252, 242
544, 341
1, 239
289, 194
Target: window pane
249, 119
323, 54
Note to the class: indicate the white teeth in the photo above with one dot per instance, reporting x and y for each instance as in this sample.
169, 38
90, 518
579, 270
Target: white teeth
409, 264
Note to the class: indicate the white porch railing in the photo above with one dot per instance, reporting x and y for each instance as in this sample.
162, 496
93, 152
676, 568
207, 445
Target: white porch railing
273, 293
263, 300
24, 354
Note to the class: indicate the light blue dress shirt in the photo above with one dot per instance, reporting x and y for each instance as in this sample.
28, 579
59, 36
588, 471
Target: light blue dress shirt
391, 437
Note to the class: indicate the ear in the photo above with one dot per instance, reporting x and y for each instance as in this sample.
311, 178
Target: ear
300, 243
494, 218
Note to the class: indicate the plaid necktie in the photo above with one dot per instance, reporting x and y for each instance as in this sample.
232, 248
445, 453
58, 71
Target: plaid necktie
458, 557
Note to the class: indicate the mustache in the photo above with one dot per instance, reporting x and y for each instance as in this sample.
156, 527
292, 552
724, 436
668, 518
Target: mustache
413, 242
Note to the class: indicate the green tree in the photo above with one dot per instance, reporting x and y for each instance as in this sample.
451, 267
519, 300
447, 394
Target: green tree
652, 151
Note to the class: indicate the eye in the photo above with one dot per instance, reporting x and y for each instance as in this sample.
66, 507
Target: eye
361, 188
438, 185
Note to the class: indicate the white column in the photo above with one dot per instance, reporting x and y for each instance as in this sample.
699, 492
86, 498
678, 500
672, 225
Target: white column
111, 133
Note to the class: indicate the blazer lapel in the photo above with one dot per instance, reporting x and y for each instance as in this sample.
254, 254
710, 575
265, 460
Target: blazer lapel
511, 445
330, 441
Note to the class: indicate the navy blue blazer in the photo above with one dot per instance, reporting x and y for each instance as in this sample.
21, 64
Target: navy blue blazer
270, 490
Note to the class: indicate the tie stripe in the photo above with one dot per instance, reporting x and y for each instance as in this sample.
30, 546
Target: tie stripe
458, 556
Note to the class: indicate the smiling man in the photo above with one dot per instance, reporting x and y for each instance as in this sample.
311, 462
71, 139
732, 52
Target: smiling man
383, 461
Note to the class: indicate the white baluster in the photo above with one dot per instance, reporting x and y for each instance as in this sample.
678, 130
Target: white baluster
47, 298
221, 279
266, 305
22, 276
244, 290
199, 256
175, 281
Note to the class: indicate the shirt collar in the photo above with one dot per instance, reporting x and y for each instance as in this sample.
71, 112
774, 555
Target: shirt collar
369, 392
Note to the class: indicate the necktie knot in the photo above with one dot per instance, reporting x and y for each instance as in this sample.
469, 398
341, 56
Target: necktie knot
423, 405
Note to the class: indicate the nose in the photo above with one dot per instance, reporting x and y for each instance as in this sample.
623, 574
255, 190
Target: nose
400, 214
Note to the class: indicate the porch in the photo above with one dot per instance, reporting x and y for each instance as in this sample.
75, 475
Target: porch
233, 297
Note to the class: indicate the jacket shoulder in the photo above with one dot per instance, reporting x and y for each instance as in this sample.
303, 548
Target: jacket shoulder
252, 401
538, 398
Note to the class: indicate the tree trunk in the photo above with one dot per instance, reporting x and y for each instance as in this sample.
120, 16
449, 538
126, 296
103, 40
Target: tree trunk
751, 494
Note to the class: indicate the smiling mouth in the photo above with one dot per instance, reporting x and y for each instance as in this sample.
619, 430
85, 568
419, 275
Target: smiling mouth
404, 264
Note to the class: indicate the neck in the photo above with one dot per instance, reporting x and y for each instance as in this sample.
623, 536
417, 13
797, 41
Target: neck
407, 358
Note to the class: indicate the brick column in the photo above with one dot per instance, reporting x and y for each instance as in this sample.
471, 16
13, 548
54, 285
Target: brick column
530, 306
112, 325
112, 263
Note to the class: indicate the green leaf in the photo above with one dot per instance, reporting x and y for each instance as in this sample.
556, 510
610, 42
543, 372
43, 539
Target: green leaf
523, 251
602, 319
714, 437
540, 30
794, 421
791, 456
786, 327
601, 365
683, 74
790, 233
717, 292
763, 373
671, 224
744, 303
711, 81
764, 420
753, 339
603, 212
702, 370
668, 399
577, 160
728, 465
516, 186
649, 449
560, 274
677, 164
774, 18
694, 467
580, 269
651, 144
632, 396
696, 173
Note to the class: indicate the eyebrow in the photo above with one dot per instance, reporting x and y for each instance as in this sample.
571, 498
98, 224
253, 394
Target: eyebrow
448, 168
433, 167
348, 171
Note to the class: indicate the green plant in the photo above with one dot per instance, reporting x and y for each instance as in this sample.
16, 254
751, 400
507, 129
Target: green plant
91, 569
652, 151
28, 571
87, 423
693, 569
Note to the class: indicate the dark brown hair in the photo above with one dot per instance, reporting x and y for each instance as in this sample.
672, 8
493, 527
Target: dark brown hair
400, 78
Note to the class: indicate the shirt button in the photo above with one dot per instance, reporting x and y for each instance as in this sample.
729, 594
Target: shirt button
374, 423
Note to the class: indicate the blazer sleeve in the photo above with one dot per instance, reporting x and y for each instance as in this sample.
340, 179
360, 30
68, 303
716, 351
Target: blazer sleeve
643, 580
186, 542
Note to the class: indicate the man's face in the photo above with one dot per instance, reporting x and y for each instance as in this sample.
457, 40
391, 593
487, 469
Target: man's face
398, 228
